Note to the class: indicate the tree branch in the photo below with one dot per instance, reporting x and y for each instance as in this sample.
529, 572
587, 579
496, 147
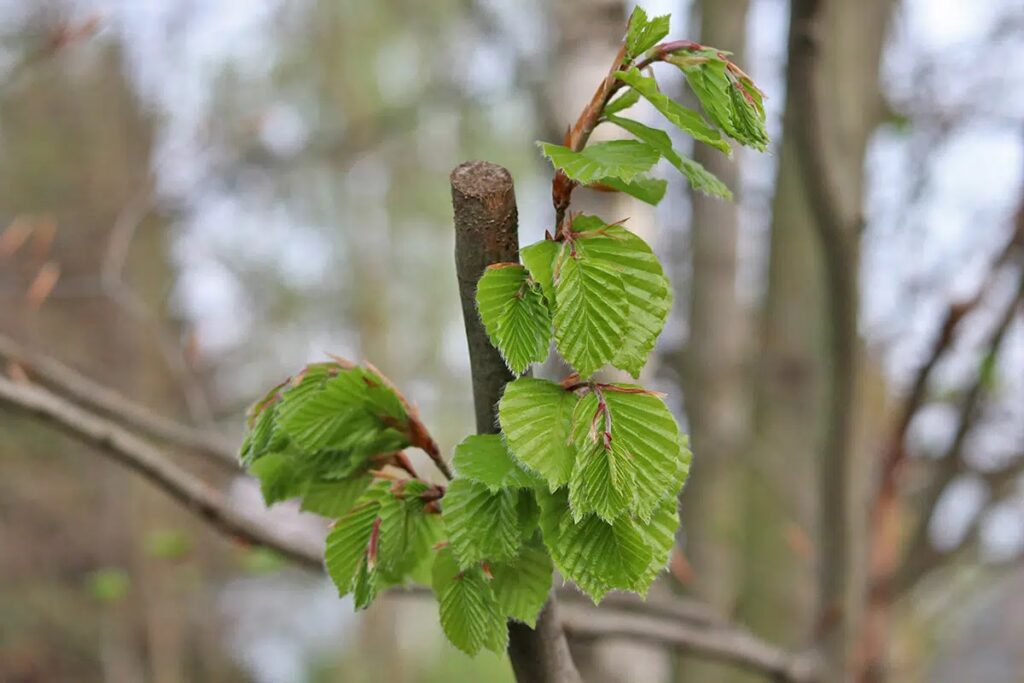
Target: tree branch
99, 398
115, 442
723, 644
672, 621
835, 238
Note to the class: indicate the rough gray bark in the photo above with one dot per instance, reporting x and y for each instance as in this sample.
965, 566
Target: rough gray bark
486, 232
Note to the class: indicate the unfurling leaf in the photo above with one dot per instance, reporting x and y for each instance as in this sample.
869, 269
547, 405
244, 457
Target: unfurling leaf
728, 96
515, 315
643, 34
622, 159
536, 419
470, 614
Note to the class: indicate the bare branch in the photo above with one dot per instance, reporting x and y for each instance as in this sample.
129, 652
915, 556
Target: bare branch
836, 235
725, 644
72, 385
677, 623
116, 443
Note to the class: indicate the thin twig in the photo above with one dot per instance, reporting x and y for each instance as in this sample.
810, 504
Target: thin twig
75, 386
115, 442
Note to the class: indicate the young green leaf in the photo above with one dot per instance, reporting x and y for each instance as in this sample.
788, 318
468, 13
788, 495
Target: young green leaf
515, 315
635, 430
644, 188
539, 258
481, 525
536, 419
732, 102
648, 294
365, 586
699, 177
598, 556
521, 585
484, 458
348, 544
685, 119
279, 477
622, 159
600, 483
333, 498
470, 615
407, 531
643, 34
590, 309
660, 536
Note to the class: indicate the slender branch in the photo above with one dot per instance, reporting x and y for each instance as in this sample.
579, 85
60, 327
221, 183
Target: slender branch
835, 236
729, 645
115, 442
96, 397
918, 560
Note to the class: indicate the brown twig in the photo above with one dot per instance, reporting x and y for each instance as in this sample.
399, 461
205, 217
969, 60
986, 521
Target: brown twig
70, 383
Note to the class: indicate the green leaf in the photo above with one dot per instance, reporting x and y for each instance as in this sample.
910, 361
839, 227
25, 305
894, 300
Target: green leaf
644, 188
485, 458
481, 525
280, 478
338, 415
601, 483
348, 544
521, 586
648, 293
637, 432
685, 119
515, 315
536, 419
598, 556
699, 177
407, 531
643, 34
109, 584
660, 536
333, 498
624, 100
622, 159
470, 615
539, 258
590, 309
731, 101
365, 586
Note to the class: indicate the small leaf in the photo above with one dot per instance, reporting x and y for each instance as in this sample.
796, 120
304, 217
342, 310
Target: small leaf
598, 556
536, 419
730, 100
470, 615
521, 586
624, 100
600, 483
515, 315
407, 531
481, 525
347, 544
660, 536
485, 458
699, 177
648, 293
642, 440
365, 586
643, 34
280, 477
622, 159
644, 188
540, 258
590, 310
685, 119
